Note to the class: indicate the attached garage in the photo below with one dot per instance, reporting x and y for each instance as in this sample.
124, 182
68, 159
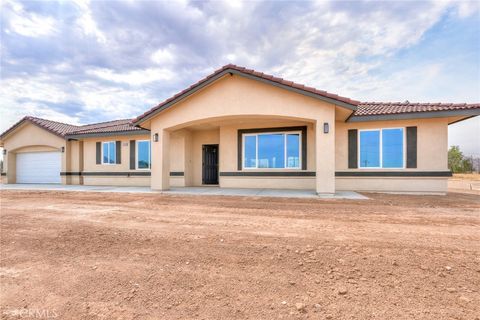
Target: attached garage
39, 167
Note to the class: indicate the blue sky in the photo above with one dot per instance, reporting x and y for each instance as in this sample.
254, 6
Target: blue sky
89, 61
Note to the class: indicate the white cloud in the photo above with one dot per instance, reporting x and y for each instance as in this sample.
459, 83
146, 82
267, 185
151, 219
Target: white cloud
26, 23
112, 102
135, 77
85, 22
164, 56
467, 8
17, 111
116, 59
38, 88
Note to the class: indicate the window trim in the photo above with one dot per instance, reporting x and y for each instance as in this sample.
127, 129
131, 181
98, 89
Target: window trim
149, 155
404, 148
114, 153
285, 133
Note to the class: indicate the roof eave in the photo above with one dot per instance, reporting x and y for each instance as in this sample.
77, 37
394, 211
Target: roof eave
416, 115
231, 71
107, 134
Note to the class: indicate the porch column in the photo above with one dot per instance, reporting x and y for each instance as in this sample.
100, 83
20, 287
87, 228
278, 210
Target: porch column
325, 157
160, 178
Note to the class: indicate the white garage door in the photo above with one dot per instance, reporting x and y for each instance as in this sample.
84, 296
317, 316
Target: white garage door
39, 167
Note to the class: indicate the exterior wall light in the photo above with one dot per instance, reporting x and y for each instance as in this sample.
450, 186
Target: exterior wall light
155, 137
63, 149
4, 151
326, 127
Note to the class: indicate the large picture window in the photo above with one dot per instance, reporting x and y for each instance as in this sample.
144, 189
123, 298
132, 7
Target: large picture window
108, 152
381, 148
279, 150
143, 154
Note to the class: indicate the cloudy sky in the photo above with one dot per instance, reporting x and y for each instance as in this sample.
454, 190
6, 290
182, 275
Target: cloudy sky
90, 61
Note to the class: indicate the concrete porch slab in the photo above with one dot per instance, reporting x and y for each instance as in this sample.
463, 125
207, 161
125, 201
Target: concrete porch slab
207, 191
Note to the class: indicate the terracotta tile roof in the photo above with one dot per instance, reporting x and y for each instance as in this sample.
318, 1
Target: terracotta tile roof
106, 127
249, 72
63, 129
390, 108
57, 128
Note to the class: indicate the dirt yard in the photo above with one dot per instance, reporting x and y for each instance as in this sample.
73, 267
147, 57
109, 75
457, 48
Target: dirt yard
465, 183
146, 256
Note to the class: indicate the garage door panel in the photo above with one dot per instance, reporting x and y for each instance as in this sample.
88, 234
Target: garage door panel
39, 167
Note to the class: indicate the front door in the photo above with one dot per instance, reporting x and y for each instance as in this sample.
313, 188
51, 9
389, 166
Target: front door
210, 164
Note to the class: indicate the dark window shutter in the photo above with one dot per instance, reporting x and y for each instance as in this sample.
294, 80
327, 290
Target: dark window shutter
99, 153
411, 147
132, 154
352, 149
118, 149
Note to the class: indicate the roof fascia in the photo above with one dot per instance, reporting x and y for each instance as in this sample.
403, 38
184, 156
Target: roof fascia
108, 134
416, 115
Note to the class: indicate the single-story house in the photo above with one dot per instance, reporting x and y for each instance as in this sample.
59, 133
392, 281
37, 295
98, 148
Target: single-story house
245, 129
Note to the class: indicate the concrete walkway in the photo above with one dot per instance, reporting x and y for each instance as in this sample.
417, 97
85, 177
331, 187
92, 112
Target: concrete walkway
207, 191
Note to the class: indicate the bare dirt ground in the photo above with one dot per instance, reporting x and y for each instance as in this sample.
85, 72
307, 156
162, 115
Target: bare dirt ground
465, 183
146, 256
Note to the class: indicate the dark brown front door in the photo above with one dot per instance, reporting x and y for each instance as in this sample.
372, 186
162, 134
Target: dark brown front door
210, 164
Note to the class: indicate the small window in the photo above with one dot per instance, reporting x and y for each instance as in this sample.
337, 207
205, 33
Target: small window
293, 150
392, 148
381, 148
271, 150
250, 152
143, 154
370, 149
108, 152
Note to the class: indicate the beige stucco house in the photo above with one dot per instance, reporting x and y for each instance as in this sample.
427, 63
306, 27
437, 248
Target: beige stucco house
238, 128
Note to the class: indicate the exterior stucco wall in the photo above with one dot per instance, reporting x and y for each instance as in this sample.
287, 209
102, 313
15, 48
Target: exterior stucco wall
432, 155
302, 183
29, 138
89, 149
90, 165
125, 180
74, 162
432, 142
234, 97
393, 184
180, 158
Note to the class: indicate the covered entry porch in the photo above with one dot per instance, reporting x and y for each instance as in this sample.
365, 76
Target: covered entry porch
246, 153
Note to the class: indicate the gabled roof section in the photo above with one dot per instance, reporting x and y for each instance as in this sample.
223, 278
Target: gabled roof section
63, 129
371, 111
251, 74
58, 128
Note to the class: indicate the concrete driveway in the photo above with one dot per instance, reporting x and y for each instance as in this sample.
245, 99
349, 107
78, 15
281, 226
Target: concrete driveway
207, 191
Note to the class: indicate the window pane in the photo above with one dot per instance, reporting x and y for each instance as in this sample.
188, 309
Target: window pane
143, 155
111, 147
392, 148
105, 152
271, 151
293, 150
369, 149
249, 151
